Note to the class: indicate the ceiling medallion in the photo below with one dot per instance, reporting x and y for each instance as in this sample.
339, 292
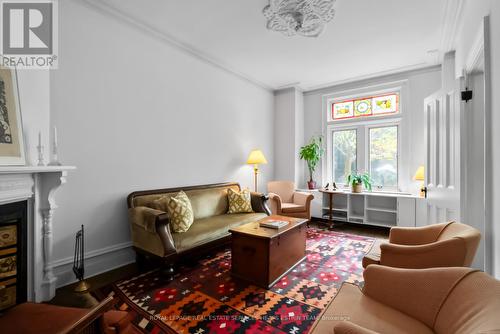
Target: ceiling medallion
299, 17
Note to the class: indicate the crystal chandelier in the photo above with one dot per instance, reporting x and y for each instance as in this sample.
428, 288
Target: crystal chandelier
302, 17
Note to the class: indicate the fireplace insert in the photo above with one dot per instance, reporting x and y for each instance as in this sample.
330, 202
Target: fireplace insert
13, 256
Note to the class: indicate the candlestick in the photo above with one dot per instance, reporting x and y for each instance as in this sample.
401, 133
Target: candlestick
55, 136
54, 161
41, 160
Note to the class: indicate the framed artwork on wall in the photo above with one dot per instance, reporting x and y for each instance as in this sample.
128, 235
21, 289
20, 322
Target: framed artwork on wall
11, 129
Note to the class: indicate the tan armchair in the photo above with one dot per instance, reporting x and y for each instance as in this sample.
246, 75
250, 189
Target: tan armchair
441, 245
436, 300
285, 201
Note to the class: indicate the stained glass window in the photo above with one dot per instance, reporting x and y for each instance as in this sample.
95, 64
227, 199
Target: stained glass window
343, 110
366, 107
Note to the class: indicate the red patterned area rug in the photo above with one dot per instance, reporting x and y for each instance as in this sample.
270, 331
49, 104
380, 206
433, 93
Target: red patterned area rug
205, 298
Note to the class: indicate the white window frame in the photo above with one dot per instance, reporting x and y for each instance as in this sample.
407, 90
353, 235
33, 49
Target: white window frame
396, 123
363, 124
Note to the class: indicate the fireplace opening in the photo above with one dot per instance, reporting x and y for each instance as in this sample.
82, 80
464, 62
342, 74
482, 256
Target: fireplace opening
13, 254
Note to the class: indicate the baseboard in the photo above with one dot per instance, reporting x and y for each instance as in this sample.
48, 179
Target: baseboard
96, 262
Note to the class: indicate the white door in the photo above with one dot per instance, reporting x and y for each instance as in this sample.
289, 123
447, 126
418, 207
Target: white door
443, 113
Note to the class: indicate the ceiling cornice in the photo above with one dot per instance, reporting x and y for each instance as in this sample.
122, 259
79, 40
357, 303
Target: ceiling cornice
452, 16
453, 13
422, 67
151, 31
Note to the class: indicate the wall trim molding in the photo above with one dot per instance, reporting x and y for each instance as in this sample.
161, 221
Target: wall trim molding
452, 17
93, 253
475, 58
96, 262
170, 40
386, 75
451, 24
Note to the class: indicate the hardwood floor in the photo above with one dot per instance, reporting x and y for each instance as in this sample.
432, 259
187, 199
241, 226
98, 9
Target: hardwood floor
357, 229
65, 296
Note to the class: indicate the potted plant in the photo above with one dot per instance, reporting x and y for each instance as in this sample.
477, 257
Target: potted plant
312, 154
357, 180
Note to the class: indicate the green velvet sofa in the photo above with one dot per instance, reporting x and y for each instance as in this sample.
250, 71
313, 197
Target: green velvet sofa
150, 227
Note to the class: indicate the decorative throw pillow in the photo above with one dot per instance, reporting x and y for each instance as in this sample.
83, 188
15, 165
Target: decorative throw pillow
239, 202
180, 212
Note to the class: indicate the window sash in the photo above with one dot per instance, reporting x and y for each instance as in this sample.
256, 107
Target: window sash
356, 132
369, 149
363, 148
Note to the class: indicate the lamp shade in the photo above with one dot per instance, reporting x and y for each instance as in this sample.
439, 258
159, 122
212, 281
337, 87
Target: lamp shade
419, 175
256, 157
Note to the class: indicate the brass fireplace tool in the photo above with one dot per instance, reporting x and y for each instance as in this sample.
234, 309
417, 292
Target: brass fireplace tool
78, 263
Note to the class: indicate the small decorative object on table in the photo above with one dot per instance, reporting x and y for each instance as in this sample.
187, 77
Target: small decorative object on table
276, 224
78, 263
357, 180
55, 159
312, 154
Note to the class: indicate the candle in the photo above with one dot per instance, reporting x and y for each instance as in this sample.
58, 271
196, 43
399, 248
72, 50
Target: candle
55, 136
40, 138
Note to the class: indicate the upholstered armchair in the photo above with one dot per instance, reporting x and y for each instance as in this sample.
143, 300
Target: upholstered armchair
434, 300
285, 201
40, 318
449, 244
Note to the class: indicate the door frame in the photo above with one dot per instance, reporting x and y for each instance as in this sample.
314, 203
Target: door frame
479, 60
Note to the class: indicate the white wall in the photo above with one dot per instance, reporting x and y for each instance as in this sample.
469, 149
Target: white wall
284, 134
135, 113
289, 135
300, 165
419, 84
34, 99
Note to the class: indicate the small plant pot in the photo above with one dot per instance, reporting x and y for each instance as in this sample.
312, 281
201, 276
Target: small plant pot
311, 184
357, 188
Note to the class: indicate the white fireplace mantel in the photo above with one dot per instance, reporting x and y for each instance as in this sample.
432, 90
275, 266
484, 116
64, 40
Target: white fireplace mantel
37, 185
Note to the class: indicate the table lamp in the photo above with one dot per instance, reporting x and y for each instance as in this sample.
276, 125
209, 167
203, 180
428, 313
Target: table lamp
255, 158
420, 176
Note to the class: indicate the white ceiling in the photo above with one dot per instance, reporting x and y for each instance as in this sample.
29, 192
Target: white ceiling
365, 38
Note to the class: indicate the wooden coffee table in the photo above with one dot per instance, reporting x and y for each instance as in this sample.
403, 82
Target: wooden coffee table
263, 255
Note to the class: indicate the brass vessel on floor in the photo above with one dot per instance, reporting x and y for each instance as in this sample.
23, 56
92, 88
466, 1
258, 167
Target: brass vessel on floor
82, 287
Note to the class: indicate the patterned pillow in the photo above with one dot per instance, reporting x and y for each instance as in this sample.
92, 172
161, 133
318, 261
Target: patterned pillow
239, 202
180, 212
